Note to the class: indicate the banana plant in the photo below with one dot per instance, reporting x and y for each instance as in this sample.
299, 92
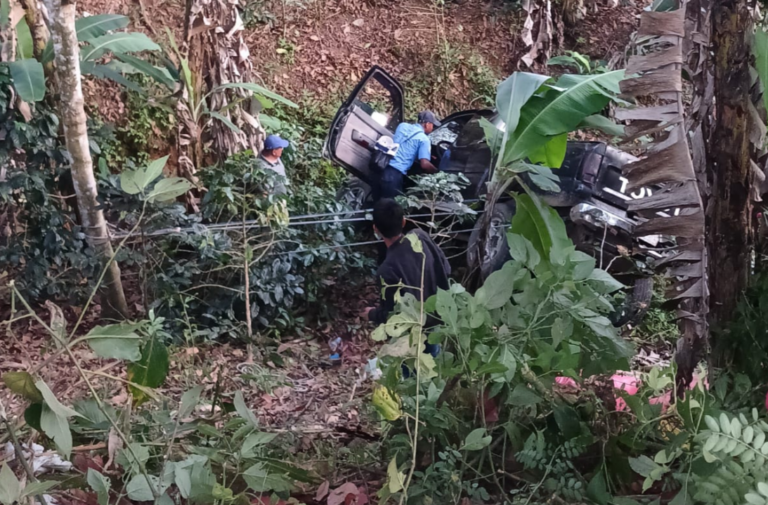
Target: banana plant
538, 112
195, 115
98, 37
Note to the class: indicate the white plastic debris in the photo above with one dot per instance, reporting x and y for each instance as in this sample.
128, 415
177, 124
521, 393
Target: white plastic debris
372, 370
42, 461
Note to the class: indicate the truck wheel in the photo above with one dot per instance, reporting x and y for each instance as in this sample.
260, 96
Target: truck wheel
356, 195
636, 303
496, 250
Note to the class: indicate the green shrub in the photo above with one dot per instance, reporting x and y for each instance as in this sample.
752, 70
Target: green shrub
289, 266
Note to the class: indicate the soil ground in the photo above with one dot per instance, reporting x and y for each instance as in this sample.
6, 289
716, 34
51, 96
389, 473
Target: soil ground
315, 51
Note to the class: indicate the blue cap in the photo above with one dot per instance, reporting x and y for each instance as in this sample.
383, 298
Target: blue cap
275, 142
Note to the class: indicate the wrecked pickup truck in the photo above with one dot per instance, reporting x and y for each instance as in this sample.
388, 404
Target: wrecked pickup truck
593, 197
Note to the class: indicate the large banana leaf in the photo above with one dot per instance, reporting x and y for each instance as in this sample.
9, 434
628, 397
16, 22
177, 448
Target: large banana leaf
540, 224
28, 79
559, 110
512, 94
552, 153
108, 72
604, 124
24, 38
161, 75
130, 42
91, 27
257, 90
96, 26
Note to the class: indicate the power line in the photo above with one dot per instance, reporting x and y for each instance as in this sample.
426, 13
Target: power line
370, 242
255, 224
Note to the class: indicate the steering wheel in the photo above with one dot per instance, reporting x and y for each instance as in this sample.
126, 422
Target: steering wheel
445, 144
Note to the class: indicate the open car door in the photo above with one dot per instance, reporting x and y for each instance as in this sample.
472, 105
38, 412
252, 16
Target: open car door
374, 108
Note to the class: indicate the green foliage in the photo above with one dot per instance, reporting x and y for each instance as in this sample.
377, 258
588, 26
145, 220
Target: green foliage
147, 119
54, 419
579, 62
256, 12
43, 247
736, 448
12, 491
28, 79
22, 383
150, 470
746, 330
659, 326
305, 129
542, 314
760, 50
446, 62
438, 195
289, 266
559, 110
24, 40
93, 33
150, 370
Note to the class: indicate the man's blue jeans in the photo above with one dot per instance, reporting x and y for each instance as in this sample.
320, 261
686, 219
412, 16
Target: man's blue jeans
390, 183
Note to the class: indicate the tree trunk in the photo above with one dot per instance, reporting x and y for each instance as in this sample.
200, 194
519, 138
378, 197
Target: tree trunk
72, 112
37, 28
8, 32
730, 211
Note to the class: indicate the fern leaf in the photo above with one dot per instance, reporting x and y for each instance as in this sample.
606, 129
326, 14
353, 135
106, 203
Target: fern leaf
711, 442
725, 424
727, 485
759, 439
736, 427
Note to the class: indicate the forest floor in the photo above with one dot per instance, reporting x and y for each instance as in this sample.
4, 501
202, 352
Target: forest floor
315, 51
305, 394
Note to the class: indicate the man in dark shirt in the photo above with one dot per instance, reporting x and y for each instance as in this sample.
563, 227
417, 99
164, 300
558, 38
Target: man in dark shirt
403, 265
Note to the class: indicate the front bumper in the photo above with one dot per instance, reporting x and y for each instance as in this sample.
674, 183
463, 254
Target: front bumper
598, 219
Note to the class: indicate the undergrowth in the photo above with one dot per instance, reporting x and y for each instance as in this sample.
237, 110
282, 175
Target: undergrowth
658, 329
435, 85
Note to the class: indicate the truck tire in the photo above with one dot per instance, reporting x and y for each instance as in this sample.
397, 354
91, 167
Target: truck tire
496, 251
355, 194
636, 303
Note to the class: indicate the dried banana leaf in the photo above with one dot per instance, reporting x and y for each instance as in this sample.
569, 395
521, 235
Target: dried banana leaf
644, 63
669, 165
660, 81
662, 23
680, 226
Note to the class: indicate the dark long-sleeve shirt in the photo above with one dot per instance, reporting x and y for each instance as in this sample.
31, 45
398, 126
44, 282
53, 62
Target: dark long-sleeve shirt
403, 264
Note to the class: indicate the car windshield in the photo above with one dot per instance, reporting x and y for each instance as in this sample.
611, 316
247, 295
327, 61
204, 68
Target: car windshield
446, 133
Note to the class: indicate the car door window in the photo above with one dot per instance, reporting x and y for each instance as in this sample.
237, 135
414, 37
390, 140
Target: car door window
381, 102
373, 109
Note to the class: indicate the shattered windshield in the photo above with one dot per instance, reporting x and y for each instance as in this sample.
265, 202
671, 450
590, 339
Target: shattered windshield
446, 133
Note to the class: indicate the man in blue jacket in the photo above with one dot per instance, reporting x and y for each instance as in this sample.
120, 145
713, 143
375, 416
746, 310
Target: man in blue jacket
413, 145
